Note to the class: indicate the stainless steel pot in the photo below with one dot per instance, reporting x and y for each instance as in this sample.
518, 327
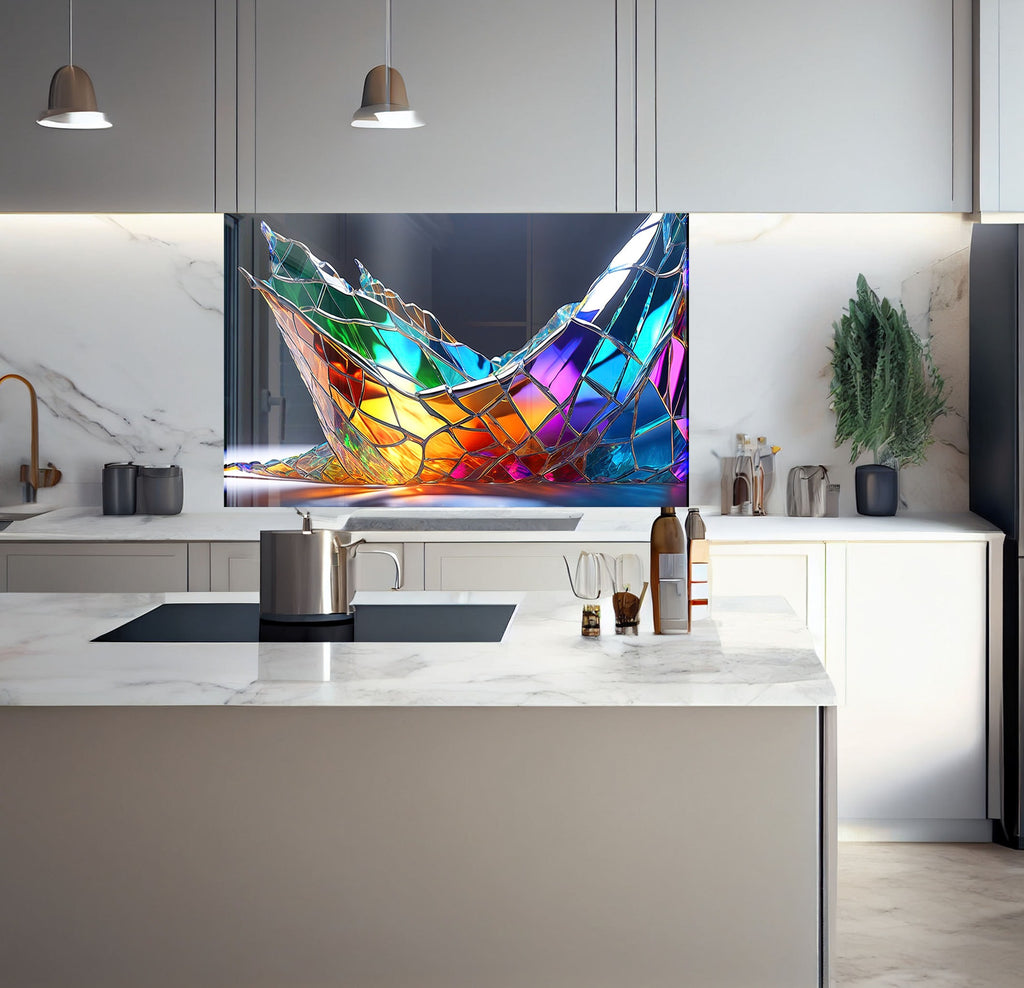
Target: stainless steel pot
307, 573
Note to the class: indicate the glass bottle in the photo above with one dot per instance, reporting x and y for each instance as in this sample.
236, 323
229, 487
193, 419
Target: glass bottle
668, 573
743, 477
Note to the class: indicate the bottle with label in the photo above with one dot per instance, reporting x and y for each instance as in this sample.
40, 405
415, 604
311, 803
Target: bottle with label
668, 573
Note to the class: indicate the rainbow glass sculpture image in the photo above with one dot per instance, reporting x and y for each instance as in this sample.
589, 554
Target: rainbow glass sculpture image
597, 397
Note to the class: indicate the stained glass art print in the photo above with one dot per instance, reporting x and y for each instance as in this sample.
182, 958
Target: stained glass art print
400, 404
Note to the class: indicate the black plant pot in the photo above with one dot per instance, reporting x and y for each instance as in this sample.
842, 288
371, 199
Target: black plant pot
878, 489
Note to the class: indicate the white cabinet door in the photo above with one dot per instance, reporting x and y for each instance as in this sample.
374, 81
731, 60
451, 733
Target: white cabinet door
799, 105
236, 566
100, 567
794, 571
513, 565
1000, 103
153, 69
519, 101
911, 735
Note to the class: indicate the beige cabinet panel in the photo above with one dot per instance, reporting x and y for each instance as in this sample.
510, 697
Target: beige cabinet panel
513, 565
519, 101
236, 566
804, 106
153, 69
101, 567
443, 846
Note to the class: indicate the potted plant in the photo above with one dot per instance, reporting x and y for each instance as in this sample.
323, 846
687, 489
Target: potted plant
886, 393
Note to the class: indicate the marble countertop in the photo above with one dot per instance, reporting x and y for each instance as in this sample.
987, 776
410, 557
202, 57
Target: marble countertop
596, 525
752, 652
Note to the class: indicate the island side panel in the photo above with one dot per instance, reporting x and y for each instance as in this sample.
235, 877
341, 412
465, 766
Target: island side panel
419, 847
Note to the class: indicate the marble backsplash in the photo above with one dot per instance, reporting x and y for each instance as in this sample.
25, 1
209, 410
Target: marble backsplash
118, 321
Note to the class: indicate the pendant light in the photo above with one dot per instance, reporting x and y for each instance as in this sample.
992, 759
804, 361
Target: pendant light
72, 104
385, 102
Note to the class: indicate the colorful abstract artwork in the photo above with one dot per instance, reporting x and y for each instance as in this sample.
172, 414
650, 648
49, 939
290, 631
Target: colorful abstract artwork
597, 397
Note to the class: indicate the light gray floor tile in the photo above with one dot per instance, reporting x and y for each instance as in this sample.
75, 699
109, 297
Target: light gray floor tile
942, 915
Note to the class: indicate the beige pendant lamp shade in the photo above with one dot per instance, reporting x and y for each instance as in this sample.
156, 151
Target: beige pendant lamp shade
72, 103
385, 101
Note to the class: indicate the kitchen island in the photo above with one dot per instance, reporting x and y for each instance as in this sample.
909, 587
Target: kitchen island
544, 810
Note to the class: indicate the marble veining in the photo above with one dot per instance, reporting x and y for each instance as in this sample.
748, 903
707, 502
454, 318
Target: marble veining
747, 655
118, 320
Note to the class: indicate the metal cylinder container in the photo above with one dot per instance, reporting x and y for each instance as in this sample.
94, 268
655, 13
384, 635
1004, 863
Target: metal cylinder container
303, 574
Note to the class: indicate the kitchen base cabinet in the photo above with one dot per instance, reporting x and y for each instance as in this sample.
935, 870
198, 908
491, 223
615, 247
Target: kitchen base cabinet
469, 847
100, 567
793, 571
912, 732
514, 565
236, 566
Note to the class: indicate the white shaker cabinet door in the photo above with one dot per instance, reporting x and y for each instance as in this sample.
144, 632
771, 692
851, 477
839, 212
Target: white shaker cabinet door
805, 106
793, 571
152, 66
911, 735
518, 99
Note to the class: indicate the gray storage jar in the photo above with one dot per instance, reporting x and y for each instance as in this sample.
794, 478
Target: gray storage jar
119, 480
160, 491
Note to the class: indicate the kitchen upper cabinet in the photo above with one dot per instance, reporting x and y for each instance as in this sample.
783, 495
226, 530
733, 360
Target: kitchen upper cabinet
804, 106
153, 69
519, 101
999, 105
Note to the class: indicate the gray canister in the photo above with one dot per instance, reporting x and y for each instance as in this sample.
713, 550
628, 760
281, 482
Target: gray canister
160, 491
119, 488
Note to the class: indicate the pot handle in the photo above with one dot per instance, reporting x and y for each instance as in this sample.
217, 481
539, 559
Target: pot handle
344, 547
394, 559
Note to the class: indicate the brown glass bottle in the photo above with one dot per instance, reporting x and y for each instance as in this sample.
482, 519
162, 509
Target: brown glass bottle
667, 539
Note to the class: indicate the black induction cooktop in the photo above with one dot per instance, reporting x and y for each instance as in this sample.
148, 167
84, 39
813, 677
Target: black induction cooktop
237, 622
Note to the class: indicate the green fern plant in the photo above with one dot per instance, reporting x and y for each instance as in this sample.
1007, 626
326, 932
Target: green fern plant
885, 391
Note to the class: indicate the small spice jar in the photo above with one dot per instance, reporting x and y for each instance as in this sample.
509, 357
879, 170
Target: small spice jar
591, 627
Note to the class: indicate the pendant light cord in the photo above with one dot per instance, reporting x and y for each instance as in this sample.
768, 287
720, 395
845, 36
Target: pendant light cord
71, 32
387, 52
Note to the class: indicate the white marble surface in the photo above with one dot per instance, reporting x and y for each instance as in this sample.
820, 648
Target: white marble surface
118, 322
764, 292
752, 653
597, 525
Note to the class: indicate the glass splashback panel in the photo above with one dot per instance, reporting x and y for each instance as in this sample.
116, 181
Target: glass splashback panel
381, 359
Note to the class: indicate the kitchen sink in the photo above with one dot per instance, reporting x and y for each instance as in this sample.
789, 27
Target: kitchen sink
240, 622
19, 512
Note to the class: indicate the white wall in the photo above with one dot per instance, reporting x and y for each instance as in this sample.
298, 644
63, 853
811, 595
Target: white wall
118, 322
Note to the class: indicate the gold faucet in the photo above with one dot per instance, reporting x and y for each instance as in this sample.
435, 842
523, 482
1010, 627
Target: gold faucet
31, 477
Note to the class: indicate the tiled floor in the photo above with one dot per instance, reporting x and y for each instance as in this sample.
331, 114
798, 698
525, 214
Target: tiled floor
940, 915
